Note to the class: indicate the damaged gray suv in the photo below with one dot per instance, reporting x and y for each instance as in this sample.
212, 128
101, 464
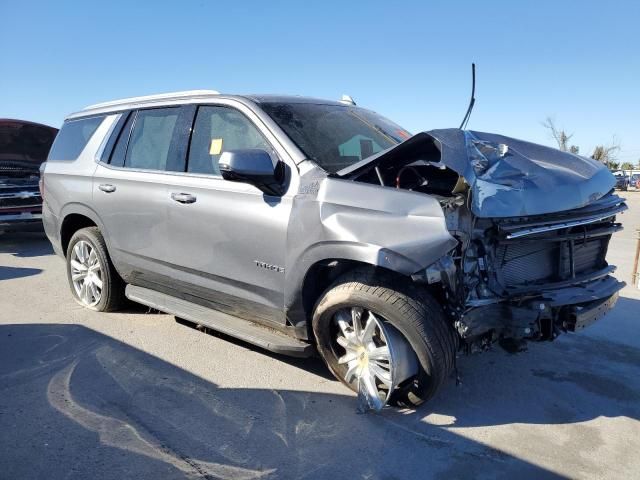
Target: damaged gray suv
303, 225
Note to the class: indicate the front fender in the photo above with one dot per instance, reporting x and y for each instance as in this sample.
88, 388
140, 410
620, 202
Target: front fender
396, 229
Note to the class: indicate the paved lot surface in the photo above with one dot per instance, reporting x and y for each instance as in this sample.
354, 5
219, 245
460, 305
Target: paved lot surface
138, 395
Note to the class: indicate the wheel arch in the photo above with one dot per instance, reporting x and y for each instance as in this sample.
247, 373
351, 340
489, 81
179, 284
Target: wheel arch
74, 217
317, 276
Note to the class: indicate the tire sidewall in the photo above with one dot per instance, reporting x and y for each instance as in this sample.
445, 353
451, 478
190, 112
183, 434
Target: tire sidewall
89, 237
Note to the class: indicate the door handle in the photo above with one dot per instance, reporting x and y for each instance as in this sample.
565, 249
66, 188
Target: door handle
183, 197
105, 187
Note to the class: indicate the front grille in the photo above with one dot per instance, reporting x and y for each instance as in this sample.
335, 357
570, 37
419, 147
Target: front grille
17, 196
13, 202
555, 248
529, 263
587, 256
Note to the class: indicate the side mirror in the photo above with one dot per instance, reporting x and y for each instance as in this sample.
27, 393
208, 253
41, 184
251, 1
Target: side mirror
255, 167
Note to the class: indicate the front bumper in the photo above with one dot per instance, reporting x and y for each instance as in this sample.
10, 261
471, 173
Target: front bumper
543, 317
22, 221
581, 316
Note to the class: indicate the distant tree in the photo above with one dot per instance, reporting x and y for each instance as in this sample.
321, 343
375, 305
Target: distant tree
627, 166
612, 165
607, 154
560, 136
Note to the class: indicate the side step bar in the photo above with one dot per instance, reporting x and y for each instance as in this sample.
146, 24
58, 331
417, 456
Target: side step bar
233, 326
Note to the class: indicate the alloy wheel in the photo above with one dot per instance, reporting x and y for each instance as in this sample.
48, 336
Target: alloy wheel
376, 355
86, 273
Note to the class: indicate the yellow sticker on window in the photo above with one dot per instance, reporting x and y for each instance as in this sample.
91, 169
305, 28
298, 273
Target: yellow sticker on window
216, 146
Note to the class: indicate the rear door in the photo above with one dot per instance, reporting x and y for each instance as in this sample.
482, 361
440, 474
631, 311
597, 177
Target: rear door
227, 239
130, 190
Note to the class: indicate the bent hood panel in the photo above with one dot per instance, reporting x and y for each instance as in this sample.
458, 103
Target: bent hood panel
523, 179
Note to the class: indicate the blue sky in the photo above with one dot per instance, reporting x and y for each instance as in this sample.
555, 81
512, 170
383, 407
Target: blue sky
576, 61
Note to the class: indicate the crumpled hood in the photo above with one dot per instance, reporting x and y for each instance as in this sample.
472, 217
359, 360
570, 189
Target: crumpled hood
508, 177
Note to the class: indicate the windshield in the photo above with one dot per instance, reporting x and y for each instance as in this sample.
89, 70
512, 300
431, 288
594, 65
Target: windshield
335, 136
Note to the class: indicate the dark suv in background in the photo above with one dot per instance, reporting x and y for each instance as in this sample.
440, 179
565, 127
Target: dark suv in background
23, 148
299, 224
622, 182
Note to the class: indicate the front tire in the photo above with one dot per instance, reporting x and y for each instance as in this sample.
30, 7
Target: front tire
95, 283
408, 321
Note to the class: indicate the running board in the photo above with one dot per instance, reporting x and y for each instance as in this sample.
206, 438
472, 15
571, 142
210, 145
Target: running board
233, 326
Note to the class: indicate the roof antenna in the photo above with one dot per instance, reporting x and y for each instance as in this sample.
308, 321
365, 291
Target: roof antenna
472, 102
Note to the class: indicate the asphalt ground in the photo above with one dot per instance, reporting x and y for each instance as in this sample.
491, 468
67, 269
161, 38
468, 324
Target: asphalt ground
139, 395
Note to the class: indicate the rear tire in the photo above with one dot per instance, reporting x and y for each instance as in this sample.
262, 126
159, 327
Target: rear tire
410, 310
94, 281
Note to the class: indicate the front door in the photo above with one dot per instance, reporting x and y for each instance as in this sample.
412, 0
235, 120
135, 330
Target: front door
227, 239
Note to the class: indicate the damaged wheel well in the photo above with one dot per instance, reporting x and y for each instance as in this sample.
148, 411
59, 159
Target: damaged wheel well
322, 274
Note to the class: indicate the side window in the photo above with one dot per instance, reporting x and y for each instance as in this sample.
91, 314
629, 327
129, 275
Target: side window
150, 144
73, 137
120, 149
216, 130
115, 134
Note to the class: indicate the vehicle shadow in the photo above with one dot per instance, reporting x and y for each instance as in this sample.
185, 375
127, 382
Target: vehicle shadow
25, 244
78, 404
572, 380
312, 364
7, 273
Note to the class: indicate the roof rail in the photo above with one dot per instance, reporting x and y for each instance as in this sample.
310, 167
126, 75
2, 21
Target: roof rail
149, 98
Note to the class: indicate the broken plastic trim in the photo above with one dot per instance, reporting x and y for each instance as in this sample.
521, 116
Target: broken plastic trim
559, 226
443, 270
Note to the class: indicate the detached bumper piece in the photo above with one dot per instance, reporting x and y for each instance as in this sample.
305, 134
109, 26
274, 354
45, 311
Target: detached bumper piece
581, 316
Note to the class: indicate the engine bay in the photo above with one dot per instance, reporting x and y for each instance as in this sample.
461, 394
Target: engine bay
420, 171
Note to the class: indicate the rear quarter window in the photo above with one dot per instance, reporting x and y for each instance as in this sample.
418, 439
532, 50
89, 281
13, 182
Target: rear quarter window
73, 137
